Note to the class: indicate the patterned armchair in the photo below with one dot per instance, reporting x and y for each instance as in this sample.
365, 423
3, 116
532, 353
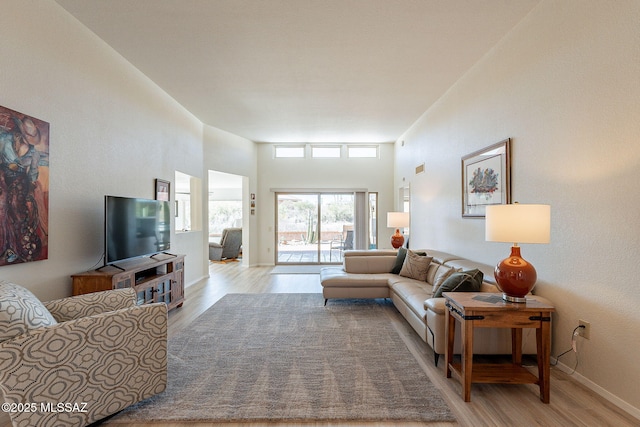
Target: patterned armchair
73, 361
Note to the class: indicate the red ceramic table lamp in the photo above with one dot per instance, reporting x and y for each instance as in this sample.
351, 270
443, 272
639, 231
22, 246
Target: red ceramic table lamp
517, 223
397, 220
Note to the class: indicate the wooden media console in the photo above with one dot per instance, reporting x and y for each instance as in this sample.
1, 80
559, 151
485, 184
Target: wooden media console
155, 279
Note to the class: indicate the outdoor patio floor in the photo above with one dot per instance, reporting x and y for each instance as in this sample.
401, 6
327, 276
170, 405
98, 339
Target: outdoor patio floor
308, 254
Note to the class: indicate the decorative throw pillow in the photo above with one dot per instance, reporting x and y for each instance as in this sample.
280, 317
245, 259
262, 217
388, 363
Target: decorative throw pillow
439, 274
402, 254
463, 281
415, 266
20, 311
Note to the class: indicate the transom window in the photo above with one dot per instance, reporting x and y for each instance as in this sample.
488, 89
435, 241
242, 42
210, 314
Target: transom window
326, 152
321, 151
362, 151
284, 151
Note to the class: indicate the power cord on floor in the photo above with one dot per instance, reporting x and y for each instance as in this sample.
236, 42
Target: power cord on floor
574, 336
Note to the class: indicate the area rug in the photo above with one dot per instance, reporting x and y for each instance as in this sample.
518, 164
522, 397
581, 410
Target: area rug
289, 358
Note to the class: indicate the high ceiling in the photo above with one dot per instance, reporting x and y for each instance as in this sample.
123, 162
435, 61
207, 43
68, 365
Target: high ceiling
303, 70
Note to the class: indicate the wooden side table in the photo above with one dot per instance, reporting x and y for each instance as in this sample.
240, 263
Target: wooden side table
489, 310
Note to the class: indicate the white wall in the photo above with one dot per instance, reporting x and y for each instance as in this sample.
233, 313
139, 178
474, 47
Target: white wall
112, 131
565, 85
375, 175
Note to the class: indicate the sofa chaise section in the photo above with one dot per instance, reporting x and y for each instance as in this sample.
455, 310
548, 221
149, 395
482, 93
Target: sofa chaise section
365, 274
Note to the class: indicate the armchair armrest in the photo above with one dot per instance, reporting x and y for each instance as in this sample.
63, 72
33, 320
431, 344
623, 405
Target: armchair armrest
90, 304
104, 363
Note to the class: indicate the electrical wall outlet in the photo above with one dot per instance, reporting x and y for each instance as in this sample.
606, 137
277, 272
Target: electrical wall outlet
584, 332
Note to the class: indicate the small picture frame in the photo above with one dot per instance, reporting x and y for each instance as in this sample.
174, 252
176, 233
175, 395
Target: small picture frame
163, 190
486, 179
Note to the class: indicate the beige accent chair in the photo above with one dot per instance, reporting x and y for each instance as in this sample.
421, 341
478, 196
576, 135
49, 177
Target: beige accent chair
94, 354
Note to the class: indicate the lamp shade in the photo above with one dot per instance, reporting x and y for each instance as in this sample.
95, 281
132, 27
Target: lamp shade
518, 223
397, 219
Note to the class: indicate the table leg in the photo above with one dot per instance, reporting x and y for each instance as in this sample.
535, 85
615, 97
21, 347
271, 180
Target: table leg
543, 342
450, 327
516, 346
467, 358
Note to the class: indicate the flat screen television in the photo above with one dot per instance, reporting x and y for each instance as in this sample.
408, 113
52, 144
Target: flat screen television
135, 227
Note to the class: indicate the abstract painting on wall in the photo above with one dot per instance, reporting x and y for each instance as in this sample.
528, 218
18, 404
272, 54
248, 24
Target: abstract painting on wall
24, 188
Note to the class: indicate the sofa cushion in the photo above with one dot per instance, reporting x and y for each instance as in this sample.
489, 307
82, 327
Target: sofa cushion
438, 273
464, 281
442, 257
373, 261
20, 311
412, 292
415, 266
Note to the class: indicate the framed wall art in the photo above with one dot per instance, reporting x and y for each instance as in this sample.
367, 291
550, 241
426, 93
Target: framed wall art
24, 188
486, 179
162, 190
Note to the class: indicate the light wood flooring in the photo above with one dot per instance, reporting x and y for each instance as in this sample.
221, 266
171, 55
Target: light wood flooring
572, 404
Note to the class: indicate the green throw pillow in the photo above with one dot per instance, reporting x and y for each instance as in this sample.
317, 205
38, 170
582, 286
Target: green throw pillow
464, 281
402, 254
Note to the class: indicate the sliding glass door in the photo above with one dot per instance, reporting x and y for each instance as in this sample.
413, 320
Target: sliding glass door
337, 225
296, 228
314, 228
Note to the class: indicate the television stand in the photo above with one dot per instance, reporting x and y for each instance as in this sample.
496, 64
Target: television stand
162, 253
110, 265
157, 279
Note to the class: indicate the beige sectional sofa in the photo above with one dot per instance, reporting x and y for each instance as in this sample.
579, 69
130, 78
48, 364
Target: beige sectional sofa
367, 274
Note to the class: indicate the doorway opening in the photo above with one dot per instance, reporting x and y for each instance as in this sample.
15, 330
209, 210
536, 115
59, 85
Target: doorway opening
226, 216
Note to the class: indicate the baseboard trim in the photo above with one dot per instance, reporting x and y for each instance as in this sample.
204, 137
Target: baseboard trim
631, 410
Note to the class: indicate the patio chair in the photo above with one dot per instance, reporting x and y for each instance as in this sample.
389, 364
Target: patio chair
342, 245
